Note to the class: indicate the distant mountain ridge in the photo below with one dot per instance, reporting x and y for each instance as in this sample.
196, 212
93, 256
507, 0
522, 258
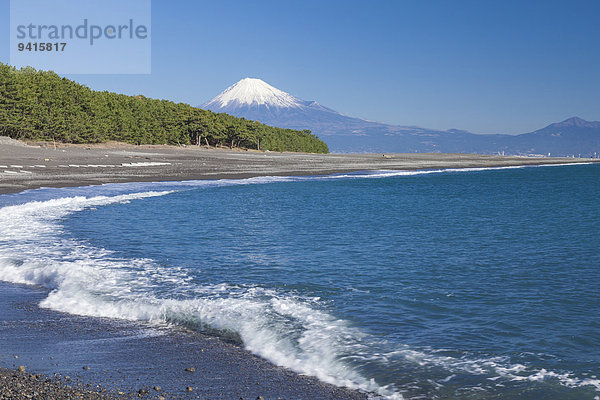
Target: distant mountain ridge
255, 99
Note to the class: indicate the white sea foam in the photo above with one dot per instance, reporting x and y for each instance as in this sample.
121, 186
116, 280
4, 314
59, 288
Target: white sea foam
85, 280
495, 368
286, 329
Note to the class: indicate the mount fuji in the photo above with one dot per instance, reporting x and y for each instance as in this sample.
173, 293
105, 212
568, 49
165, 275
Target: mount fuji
255, 99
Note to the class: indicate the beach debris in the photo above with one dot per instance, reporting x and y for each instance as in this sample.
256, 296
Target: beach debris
157, 388
16, 356
85, 367
189, 388
260, 398
21, 368
190, 369
143, 392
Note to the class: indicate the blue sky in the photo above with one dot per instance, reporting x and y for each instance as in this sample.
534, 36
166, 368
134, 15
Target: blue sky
484, 66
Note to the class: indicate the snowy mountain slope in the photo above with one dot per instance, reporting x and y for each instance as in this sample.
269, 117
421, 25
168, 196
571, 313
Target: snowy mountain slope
250, 92
257, 100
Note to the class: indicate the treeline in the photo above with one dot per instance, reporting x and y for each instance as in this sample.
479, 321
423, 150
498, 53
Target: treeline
40, 105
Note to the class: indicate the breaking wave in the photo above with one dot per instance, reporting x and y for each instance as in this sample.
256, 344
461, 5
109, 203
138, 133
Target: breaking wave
288, 329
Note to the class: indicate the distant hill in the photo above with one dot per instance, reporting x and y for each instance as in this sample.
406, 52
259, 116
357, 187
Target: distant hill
38, 105
573, 136
255, 99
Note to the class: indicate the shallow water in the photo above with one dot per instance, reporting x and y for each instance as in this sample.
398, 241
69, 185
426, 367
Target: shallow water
440, 284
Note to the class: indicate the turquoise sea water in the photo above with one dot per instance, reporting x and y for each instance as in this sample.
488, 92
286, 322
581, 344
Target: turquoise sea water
437, 284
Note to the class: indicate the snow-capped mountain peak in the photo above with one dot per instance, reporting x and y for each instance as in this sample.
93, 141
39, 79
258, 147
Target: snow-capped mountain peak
253, 92
256, 100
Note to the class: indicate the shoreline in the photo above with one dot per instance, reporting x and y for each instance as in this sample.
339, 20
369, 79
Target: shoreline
25, 166
242, 373
104, 358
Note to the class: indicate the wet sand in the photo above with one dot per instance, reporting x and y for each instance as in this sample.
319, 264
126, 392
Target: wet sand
103, 358
116, 359
32, 166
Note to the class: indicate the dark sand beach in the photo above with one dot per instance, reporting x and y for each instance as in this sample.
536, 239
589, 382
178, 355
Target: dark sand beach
103, 358
25, 166
80, 357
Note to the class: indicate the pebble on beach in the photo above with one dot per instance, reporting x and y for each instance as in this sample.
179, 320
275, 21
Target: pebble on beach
26, 386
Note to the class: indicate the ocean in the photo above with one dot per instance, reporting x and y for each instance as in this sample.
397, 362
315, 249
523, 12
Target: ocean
446, 284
